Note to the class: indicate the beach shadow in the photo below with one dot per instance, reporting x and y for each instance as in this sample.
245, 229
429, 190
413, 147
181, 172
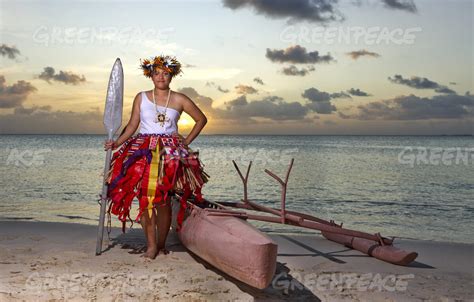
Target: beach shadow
317, 253
75, 217
284, 286
134, 240
416, 264
333, 256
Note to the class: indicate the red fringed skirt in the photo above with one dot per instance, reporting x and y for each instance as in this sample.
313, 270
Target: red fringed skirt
151, 167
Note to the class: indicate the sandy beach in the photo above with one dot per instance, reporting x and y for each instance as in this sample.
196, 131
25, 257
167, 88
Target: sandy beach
45, 261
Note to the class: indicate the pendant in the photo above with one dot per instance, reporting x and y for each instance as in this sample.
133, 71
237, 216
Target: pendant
161, 118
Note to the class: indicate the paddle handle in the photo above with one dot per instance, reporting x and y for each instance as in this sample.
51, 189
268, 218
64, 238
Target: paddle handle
103, 200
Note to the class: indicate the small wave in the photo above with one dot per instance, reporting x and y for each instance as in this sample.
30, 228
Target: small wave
74, 217
17, 218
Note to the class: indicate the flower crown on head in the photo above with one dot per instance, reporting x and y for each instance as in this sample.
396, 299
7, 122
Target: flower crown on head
168, 63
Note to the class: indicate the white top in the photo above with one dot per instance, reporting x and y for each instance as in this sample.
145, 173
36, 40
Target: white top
148, 115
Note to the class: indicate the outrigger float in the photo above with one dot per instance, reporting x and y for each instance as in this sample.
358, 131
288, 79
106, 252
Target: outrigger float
219, 233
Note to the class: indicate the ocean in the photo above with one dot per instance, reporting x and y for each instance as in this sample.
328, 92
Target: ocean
419, 187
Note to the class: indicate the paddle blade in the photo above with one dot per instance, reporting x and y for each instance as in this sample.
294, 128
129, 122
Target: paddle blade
114, 101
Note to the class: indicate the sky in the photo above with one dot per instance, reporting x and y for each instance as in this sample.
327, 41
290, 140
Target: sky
318, 67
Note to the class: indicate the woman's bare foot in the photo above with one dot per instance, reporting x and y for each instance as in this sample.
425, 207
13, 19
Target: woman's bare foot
150, 253
163, 251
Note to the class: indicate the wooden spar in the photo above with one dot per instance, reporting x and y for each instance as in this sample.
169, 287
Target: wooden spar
372, 244
276, 212
321, 227
244, 180
282, 211
283, 189
295, 218
225, 211
218, 205
299, 221
238, 215
249, 207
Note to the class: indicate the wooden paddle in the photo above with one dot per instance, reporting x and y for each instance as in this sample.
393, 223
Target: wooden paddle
112, 122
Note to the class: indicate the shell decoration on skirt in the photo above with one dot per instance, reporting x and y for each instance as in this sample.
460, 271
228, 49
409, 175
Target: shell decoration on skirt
151, 167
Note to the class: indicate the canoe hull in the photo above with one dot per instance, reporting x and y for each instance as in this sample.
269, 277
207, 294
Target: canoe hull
231, 245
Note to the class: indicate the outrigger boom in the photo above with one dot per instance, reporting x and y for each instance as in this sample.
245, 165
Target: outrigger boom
371, 244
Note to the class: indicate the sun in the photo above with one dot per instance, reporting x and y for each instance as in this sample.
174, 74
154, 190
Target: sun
185, 121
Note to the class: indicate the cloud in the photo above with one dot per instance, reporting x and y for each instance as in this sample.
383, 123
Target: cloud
258, 81
203, 102
444, 89
420, 83
340, 95
222, 89
412, 107
406, 5
42, 119
14, 95
292, 70
219, 88
316, 11
272, 107
329, 123
240, 101
362, 53
357, 92
244, 89
241, 109
32, 110
320, 101
65, 77
10, 52
297, 55
315, 95
322, 107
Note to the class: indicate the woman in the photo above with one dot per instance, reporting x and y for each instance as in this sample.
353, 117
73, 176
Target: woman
157, 162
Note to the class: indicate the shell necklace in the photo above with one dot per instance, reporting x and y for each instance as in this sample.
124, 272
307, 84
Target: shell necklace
161, 117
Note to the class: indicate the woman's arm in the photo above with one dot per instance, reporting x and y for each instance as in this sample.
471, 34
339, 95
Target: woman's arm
131, 127
198, 116
133, 123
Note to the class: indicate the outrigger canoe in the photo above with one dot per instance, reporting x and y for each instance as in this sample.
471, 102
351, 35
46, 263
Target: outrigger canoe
218, 232
228, 243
